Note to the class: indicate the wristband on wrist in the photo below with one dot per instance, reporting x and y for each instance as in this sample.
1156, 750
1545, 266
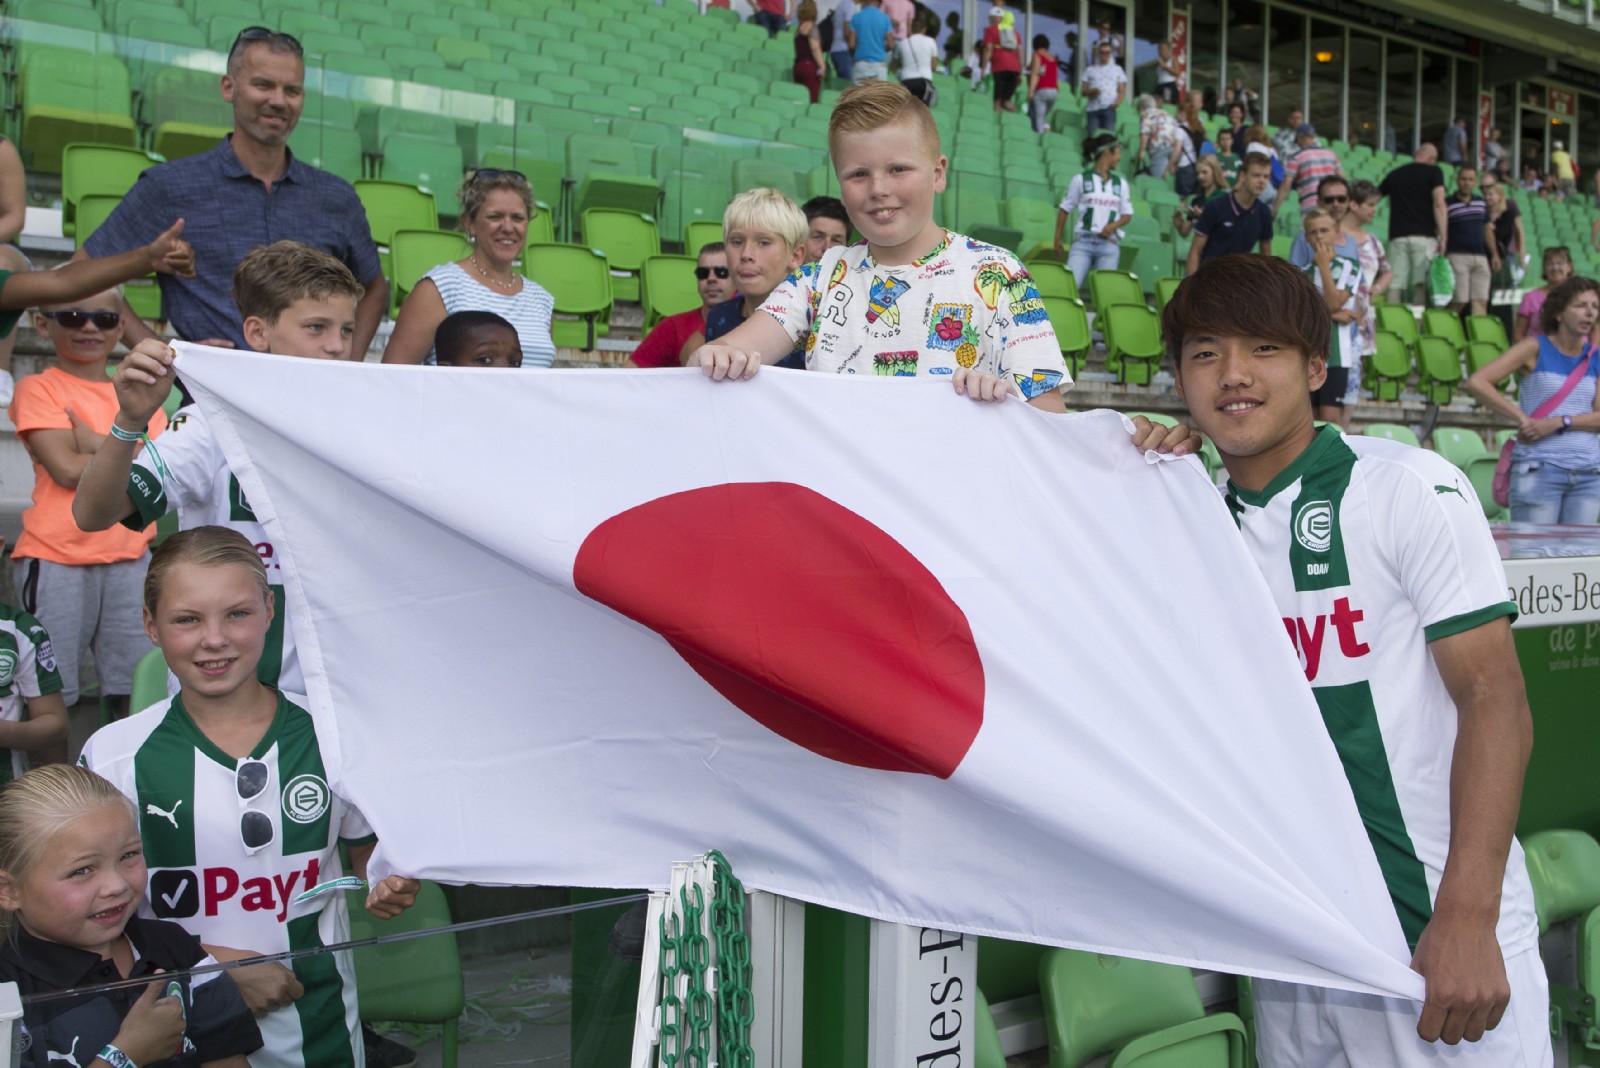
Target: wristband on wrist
132, 436
115, 1057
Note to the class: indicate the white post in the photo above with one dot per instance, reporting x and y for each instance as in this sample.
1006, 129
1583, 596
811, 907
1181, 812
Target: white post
922, 985
10, 1020
776, 927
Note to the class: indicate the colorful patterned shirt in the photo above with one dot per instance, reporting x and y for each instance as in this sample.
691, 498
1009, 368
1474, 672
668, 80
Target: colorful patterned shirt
965, 304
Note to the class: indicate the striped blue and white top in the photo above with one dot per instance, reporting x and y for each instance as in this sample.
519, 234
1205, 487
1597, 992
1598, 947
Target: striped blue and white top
529, 310
1575, 449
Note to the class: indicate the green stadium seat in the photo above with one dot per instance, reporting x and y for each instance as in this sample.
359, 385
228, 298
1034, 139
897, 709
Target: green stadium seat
1444, 323
414, 980
630, 63
1113, 287
1140, 1013
688, 198
376, 125
128, 12
1133, 339
700, 233
723, 96
52, 13
1053, 279
579, 280
1458, 445
1487, 328
623, 30
1397, 318
703, 109
1392, 432
1149, 260
433, 166
1438, 367
68, 97
1385, 372
186, 112
405, 60
362, 11
1165, 288
1034, 219
1480, 472
752, 173
626, 239
97, 170
459, 52
333, 110
416, 252
1071, 322
142, 294
565, 85
478, 18
329, 147
432, 24
610, 107
667, 287
605, 172
592, 41
395, 206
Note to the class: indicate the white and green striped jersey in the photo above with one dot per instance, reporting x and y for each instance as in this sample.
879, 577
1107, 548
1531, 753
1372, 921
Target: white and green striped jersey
27, 670
1372, 550
192, 478
202, 877
1345, 344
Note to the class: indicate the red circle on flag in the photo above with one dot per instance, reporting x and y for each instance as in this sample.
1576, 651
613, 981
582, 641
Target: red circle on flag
806, 616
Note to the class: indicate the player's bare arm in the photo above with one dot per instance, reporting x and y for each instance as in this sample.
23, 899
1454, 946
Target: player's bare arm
1458, 954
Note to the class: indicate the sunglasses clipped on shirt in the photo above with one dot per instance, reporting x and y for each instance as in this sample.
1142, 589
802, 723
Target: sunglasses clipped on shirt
702, 273
76, 319
256, 829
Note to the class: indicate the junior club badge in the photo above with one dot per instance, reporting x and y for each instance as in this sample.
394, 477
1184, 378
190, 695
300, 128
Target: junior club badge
305, 798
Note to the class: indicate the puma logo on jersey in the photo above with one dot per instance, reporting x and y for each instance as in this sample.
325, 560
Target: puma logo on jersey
170, 817
1441, 490
71, 1056
1308, 634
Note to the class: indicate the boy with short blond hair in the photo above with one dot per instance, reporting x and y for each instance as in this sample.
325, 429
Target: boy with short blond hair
912, 298
296, 301
764, 234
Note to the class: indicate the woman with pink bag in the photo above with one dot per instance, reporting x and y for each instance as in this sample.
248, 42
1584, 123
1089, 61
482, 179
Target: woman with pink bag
1554, 463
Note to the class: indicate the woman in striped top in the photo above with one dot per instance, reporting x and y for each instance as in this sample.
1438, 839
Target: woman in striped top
495, 208
1555, 467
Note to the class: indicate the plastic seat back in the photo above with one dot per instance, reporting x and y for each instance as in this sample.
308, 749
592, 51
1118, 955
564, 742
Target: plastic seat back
329, 147
1133, 341
149, 679
415, 980
1137, 1011
416, 252
1392, 432
1487, 328
1480, 472
1444, 323
1053, 279
1071, 323
1398, 319
1438, 367
1165, 287
1113, 287
667, 286
580, 281
757, 173
393, 206
1564, 867
698, 233
97, 170
1458, 445
626, 239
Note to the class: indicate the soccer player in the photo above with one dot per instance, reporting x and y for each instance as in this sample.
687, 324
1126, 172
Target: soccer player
1388, 581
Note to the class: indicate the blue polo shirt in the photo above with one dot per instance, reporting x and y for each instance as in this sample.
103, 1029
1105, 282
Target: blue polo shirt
722, 318
227, 213
1230, 228
872, 27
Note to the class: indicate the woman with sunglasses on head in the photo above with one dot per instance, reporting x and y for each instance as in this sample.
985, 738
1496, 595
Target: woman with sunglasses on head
234, 805
495, 209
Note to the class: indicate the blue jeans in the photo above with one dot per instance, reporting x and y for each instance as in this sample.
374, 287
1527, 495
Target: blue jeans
1091, 252
843, 65
1157, 160
1099, 119
1543, 492
773, 24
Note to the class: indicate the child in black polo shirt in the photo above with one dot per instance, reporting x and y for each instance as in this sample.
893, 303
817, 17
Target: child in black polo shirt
72, 876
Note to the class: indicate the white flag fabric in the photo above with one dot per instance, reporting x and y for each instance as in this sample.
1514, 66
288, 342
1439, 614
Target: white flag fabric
967, 666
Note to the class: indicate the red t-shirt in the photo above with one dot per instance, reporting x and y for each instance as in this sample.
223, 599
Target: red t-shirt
1001, 60
1048, 67
661, 346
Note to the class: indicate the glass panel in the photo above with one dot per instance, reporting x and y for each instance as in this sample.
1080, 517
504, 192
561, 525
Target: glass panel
1286, 66
1327, 80
1588, 138
1246, 37
1108, 20
1399, 131
1205, 51
1467, 103
1366, 55
1436, 109
1149, 33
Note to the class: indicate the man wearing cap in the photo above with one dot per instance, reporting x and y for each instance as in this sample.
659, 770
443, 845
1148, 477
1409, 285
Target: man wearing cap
1002, 54
1310, 165
1104, 85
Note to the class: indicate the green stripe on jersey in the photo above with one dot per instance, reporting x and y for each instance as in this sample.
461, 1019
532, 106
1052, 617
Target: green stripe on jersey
163, 777
307, 799
1352, 722
321, 1009
1469, 621
1316, 548
271, 662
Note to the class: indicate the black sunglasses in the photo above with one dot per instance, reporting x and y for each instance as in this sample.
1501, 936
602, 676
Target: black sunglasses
1334, 200
255, 828
489, 174
703, 273
73, 319
252, 34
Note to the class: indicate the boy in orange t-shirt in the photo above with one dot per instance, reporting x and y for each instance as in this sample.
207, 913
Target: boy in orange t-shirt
86, 588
